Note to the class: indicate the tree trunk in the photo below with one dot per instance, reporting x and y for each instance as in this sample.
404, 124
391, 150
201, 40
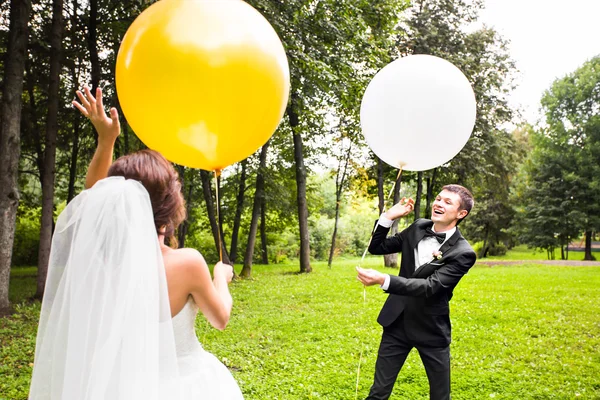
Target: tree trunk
185, 225
238, 212
220, 215
74, 156
430, 188
125, 135
10, 140
417, 210
76, 119
334, 234
259, 194
380, 193
486, 246
391, 260
32, 123
50, 149
76, 114
301, 189
92, 40
588, 247
263, 232
93, 45
205, 176
340, 179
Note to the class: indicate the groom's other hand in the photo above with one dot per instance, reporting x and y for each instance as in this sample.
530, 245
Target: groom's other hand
401, 209
370, 277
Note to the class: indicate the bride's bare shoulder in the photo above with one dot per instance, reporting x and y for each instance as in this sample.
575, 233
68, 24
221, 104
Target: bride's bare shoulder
185, 259
184, 256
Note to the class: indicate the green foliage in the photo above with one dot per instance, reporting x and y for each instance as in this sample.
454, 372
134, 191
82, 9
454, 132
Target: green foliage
298, 336
27, 235
498, 249
559, 193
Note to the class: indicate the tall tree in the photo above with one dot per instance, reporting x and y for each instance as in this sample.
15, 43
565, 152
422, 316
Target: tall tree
264, 254
391, 260
437, 27
293, 115
187, 189
14, 69
324, 42
431, 184
259, 194
570, 147
417, 210
93, 44
239, 208
211, 208
547, 194
75, 70
49, 171
340, 183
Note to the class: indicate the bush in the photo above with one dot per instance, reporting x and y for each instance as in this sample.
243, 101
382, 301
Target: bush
27, 236
498, 249
478, 247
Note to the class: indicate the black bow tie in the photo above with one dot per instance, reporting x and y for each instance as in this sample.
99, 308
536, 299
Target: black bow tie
439, 236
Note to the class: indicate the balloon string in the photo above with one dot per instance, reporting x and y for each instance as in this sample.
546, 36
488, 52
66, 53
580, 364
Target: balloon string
397, 181
217, 174
382, 211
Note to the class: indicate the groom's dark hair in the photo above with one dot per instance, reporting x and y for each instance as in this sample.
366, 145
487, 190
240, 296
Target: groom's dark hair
466, 198
161, 181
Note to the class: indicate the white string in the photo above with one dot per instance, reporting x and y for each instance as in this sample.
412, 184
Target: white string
364, 287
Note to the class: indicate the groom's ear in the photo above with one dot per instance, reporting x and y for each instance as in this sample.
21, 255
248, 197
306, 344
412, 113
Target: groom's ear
462, 214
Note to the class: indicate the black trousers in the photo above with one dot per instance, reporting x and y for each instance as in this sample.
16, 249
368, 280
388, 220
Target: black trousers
394, 349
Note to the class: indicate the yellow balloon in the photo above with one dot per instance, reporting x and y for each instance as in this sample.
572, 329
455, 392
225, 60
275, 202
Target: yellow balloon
203, 82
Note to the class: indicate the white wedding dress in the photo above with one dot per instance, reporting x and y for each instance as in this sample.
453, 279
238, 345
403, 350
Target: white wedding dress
105, 330
202, 375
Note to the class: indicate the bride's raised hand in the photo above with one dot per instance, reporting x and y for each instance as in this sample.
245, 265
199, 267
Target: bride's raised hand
91, 107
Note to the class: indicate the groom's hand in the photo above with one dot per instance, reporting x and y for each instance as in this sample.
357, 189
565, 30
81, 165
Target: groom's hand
401, 209
370, 277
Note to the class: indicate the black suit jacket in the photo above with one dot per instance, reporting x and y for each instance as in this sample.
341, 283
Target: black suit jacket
422, 297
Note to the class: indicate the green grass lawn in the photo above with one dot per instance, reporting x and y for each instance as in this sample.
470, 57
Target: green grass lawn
520, 332
522, 252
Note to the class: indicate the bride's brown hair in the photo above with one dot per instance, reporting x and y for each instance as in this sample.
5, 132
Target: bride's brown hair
161, 181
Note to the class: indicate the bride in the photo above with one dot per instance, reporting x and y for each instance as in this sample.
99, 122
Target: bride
117, 319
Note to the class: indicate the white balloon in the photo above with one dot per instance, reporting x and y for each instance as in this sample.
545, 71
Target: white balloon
418, 112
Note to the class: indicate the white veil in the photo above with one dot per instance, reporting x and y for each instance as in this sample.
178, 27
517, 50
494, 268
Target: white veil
105, 328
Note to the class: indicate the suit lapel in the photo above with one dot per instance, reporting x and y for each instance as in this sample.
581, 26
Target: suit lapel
427, 269
420, 234
450, 242
408, 260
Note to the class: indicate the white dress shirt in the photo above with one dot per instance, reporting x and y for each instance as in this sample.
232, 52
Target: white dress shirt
424, 251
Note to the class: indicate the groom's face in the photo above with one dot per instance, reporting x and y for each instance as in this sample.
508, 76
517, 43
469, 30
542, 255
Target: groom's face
446, 208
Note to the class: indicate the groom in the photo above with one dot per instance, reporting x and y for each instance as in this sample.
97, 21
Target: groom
435, 256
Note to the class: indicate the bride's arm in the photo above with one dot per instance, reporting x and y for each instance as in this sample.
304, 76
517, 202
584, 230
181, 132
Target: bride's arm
211, 295
108, 130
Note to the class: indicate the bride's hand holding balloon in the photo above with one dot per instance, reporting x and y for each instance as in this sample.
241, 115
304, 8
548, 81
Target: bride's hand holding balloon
223, 270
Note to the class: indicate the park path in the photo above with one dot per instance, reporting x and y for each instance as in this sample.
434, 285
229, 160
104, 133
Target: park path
569, 263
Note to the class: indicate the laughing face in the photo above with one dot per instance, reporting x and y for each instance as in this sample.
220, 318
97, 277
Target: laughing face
445, 211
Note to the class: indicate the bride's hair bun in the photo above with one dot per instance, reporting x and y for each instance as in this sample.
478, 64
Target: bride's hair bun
161, 180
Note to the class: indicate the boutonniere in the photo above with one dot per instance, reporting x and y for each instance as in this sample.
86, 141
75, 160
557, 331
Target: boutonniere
437, 255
